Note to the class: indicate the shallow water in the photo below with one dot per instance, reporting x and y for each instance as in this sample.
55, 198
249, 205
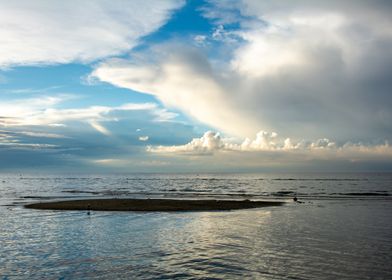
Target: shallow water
343, 229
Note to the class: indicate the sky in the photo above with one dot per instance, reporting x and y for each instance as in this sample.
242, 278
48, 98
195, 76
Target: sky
195, 86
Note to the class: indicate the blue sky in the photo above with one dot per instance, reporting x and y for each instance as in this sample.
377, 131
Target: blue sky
195, 86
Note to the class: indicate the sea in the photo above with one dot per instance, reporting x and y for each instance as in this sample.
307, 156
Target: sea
342, 229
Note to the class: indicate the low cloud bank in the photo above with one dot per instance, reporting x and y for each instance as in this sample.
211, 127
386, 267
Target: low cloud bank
212, 143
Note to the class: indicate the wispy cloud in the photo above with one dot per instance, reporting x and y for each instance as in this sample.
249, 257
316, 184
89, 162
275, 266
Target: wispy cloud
100, 128
47, 32
40, 134
41, 111
13, 140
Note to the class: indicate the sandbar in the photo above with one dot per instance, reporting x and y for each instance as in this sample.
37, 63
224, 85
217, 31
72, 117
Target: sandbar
151, 205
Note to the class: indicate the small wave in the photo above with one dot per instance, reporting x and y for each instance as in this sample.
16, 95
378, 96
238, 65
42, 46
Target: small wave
283, 193
364, 193
185, 179
58, 178
318, 179
195, 190
47, 197
79, 191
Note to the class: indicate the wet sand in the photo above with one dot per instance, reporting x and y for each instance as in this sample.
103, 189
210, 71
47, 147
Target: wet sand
151, 205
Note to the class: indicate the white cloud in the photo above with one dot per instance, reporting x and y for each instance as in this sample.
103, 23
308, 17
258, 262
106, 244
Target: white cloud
307, 69
11, 140
57, 125
35, 32
109, 161
143, 138
220, 34
23, 107
42, 111
41, 134
100, 128
200, 39
34, 146
182, 81
265, 143
206, 144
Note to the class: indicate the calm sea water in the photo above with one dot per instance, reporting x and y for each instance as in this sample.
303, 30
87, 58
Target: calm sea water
343, 230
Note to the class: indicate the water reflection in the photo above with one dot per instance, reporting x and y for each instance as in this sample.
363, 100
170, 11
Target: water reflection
342, 239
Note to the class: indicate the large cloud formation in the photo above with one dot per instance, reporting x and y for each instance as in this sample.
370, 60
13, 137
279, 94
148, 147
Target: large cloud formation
46, 32
309, 69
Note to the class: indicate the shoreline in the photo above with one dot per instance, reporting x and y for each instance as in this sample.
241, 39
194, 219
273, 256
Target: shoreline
114, 204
